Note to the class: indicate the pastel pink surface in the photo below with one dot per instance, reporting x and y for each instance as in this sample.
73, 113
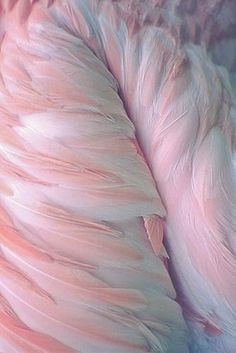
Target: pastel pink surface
182, 107
81, 268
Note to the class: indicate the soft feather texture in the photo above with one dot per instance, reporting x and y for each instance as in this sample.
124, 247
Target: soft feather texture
181, 105
81, 268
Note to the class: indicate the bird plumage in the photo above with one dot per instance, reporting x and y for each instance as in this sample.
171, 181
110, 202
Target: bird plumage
78, 202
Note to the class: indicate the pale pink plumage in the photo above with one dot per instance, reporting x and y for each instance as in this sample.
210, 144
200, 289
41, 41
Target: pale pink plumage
78, 203
181, 105
82, 260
